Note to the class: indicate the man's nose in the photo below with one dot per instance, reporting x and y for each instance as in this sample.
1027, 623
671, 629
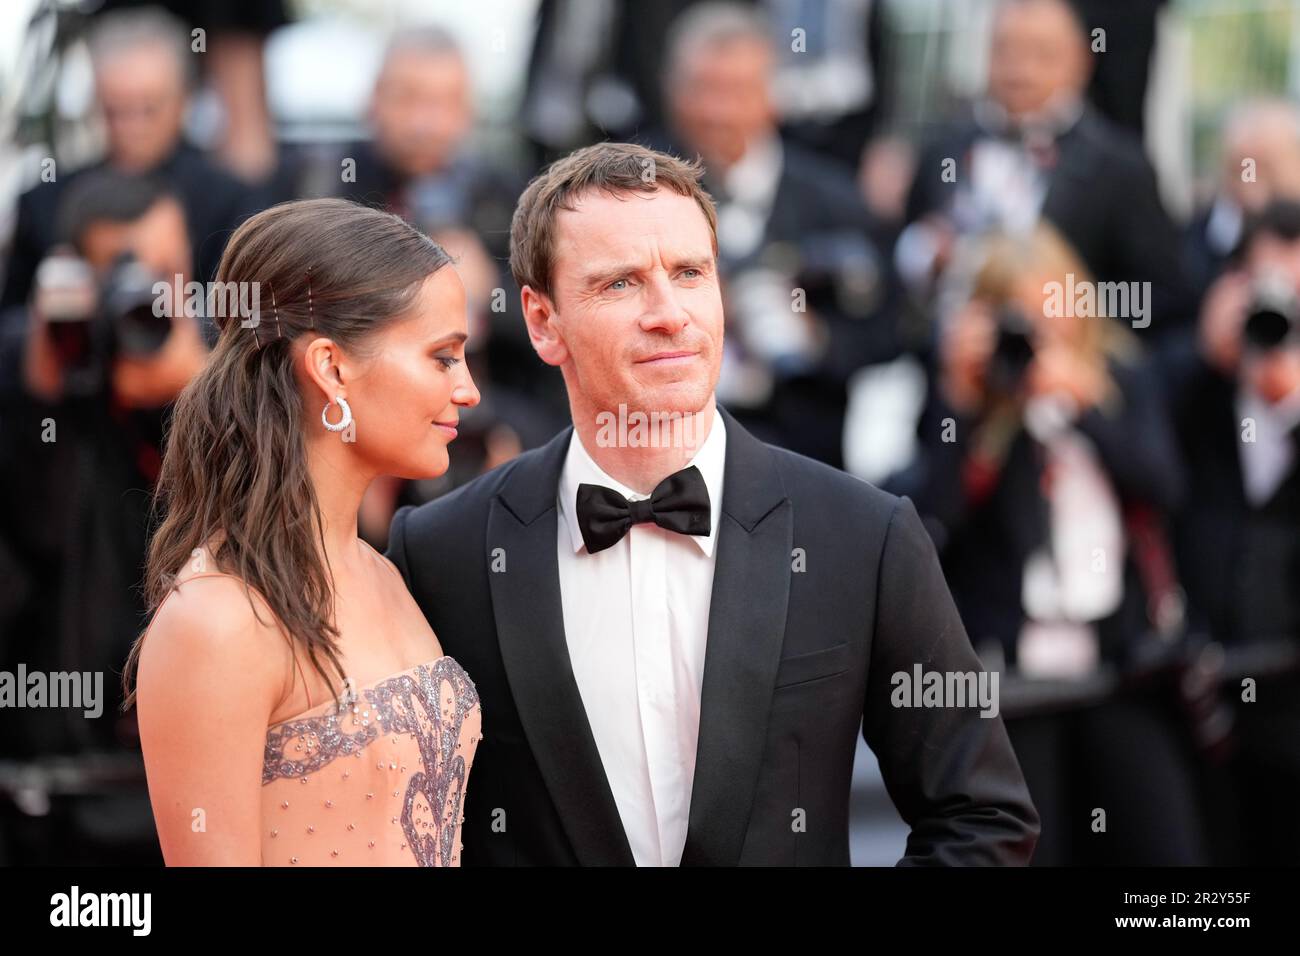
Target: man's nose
664, 312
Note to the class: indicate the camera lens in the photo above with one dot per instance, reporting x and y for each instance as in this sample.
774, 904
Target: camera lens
1266, 328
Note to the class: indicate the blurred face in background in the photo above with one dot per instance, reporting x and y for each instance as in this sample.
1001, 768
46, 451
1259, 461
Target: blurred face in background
158, 239
635, 313
141, 92
1029, 295
1038, 58
719, 99
421, 110
1269, 138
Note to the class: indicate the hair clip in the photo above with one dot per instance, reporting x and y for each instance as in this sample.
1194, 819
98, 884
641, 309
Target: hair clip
276, 309
311, 313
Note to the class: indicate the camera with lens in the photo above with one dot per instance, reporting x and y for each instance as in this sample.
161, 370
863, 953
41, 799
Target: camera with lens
839, 272
1273, 313
1012, 352
92, 321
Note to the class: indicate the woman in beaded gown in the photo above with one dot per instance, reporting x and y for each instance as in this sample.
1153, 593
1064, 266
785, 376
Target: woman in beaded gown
294, 706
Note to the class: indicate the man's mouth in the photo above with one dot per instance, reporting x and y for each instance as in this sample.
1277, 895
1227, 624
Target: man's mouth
667, 358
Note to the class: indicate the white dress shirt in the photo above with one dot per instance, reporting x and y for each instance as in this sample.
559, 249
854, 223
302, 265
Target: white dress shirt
636, 622
748, 191
1269, 458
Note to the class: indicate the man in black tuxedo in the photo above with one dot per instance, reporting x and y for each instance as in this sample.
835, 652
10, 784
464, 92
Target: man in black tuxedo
1034, 147
675, 658
1235, 394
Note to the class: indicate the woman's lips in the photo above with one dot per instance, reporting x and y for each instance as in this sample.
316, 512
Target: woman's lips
448, 428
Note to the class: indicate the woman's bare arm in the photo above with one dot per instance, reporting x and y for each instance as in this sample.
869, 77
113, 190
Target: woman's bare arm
210, 677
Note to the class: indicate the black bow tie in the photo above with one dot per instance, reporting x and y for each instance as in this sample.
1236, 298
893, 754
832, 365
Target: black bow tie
679, 503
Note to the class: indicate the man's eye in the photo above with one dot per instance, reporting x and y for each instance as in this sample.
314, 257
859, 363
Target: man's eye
692, 273
614, 285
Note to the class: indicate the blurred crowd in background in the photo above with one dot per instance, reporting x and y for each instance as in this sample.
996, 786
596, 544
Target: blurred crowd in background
996, 255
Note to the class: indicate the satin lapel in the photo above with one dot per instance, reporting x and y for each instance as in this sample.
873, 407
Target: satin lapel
747, 616
530, 629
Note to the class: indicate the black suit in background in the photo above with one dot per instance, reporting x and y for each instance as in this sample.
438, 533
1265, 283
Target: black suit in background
816, 202
470, 193
1204, 255
1103, 197
1240, 561
1118, 87
1240, 564
797, 665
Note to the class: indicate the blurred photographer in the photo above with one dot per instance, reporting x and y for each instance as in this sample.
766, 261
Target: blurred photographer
143, 73
1041, 429
1046, 459
93, 331
1236, 396
87, 373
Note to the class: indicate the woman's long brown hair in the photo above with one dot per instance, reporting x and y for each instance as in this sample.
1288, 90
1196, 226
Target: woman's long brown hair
235, 463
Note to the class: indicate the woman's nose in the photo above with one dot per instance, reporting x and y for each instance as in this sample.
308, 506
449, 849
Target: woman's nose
466, 393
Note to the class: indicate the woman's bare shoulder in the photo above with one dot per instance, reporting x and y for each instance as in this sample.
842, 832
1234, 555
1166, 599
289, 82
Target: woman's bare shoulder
211, 624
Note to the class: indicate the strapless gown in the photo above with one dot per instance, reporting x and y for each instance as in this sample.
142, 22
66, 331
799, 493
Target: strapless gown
380, 782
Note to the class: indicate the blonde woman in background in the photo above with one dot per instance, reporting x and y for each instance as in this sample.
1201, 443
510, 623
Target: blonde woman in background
1043, 440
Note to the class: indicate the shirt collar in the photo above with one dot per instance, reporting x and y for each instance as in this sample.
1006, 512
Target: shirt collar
1056, 118
754, 178
1282, 416
579, 468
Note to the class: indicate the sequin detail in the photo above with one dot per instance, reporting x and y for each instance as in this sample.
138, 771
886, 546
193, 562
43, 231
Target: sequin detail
430, 703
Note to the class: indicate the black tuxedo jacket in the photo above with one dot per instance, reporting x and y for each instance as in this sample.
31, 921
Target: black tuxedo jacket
1239, 560
798, 661
1102, 196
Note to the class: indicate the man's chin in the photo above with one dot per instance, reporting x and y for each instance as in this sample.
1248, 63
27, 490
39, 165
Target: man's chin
685, 398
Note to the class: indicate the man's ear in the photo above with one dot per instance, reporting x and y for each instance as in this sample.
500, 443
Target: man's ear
539, 315
325, 366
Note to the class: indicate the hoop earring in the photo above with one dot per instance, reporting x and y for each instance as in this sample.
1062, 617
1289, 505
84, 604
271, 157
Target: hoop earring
343, 422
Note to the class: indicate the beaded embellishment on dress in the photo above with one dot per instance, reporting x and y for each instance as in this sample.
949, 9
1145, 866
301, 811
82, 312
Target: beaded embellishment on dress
432, 717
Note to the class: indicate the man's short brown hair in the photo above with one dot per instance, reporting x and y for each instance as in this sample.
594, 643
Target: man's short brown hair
609, 167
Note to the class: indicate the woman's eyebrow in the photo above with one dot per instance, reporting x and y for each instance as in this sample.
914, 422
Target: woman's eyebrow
452, 337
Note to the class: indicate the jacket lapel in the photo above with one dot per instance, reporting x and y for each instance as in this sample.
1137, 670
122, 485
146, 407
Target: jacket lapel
751, 590
522, 521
